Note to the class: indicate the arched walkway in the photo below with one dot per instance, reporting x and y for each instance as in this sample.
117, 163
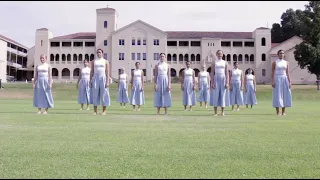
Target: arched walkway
173, 72
196, 71
65, 73
55, 72
76, 72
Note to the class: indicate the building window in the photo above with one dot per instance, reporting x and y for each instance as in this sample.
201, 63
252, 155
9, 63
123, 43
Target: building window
105, 42
41, 42
144, 72
263, 42
133, 56
105, 56
133, 41
144, 56
139, 42
105, 24
144, 41
263, 57
251, 58
121, 56
156, 56
263, 72
156, 42
138, 56
121, 42
246, 58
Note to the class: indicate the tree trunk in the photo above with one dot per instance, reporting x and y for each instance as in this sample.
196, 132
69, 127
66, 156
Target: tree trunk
318, 82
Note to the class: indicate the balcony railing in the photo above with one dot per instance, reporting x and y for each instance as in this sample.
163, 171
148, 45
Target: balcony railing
15, 51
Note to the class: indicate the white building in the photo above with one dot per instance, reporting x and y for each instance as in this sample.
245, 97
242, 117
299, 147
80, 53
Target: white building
13, 60
143, 42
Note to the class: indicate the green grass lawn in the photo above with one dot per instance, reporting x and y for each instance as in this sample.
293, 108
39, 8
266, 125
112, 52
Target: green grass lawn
68, 143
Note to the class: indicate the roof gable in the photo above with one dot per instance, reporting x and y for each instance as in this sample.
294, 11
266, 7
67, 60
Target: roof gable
136, 22
286, 45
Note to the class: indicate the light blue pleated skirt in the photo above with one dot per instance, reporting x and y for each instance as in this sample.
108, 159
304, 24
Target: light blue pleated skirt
188, 94
42, 97
281, 94
236, 95
99, 93
122, 96
84, 92
204, 92
220, 96
162, 97
250, 95
137, 95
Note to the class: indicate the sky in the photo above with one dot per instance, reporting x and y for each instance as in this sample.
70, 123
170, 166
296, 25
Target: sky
19, 20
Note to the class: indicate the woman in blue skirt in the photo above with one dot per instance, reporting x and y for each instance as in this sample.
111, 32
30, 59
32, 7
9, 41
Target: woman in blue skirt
84, 89
236, 87
42, 85
250, 89
219, 84
137, 85
99, 82
122, 88
188, 87
204, 86
162, 85
281, 83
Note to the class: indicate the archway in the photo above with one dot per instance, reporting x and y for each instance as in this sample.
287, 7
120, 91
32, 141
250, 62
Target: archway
65, 72
169, 57
55, 72
196, 71
76, 72
86, 57
173, 72
91, 57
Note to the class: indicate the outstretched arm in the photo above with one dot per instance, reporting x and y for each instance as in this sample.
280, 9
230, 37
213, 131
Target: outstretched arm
79, 80
194, 79
169, 77
227, 74
288, 74
107, 74
212, 74
35, 75
91, 71
142, 79
272, 73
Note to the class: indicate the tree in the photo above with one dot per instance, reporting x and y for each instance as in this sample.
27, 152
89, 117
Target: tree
288, 27
307, 53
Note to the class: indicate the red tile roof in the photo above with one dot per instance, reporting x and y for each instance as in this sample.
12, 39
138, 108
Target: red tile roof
274, 45
262, 28
173, 35
111, 9
12, 41
199, 35
80, 35
43, 29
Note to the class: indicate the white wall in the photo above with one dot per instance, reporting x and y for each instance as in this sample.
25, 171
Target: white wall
137, 30
3, 61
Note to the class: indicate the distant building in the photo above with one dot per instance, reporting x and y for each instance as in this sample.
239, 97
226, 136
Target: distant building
143, 42
13, 60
